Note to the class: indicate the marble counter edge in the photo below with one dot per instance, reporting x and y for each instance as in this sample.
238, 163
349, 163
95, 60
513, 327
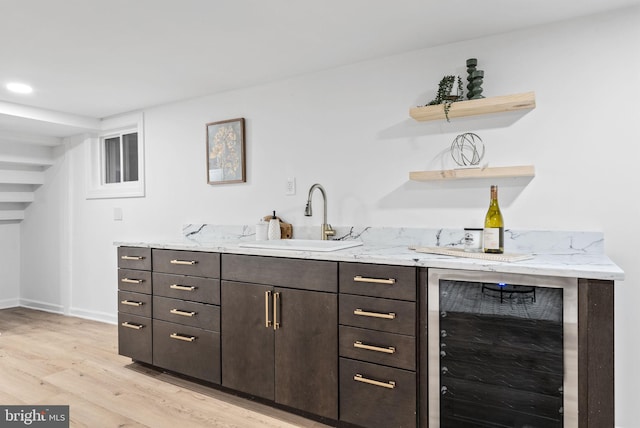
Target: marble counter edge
598, 267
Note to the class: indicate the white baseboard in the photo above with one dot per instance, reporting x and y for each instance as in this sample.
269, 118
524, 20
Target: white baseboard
9, 303
58, 309
94, 315
41, 306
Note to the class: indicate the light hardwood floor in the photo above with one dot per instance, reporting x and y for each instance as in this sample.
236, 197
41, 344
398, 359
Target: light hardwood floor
48, 359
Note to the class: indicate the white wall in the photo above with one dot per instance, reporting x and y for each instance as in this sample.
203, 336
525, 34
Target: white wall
19, 155
44, 236
9, 264
349, 129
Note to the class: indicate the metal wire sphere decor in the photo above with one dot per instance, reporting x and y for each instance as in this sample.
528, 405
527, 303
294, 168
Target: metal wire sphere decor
467, 149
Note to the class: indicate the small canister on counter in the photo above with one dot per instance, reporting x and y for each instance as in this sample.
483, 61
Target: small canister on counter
472, 239
262, 230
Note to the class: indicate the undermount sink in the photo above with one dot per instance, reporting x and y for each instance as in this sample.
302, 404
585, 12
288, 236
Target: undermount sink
302, 244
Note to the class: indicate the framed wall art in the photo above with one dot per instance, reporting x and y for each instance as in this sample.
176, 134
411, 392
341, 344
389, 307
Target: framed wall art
226, 152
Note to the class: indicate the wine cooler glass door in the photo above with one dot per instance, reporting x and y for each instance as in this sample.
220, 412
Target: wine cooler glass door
502, 350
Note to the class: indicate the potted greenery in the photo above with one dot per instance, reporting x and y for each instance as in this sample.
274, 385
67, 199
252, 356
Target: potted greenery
446, 94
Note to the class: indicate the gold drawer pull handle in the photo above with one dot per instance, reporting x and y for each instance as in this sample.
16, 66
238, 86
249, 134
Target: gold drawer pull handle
182, 337
182, 313
132, 325
182, 287
389, 281
267, 305
387, 350
359, 378
276, 303
132, 281
389, 316
131, 303
132, 258
183, 262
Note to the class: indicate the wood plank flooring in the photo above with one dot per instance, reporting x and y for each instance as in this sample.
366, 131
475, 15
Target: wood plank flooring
48, 359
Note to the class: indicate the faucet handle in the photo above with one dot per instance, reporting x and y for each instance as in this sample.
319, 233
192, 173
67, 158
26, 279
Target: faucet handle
327, 231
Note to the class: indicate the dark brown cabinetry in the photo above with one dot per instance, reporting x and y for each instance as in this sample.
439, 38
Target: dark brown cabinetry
344, 341
186, 313
193, 263
378, 345
374, 395
279, 335
134, 303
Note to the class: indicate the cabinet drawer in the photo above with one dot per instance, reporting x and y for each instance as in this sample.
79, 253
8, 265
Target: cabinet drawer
188, 350
314, 275
134, 258
377, 396
373, 346
134, 303
195, 263
134, 337
391, 282
138, 281
187, 313
197, 289
394, 316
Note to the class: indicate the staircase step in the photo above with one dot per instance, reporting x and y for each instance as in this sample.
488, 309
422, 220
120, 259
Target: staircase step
21, 177
8, 215
17, 197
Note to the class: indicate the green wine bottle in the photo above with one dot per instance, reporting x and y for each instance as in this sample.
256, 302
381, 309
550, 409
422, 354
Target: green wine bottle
493, 234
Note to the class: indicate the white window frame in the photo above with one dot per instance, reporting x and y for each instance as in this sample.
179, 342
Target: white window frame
97, 188
103, 153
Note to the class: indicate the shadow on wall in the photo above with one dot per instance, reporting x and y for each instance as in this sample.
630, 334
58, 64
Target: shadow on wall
453, 193
410, 128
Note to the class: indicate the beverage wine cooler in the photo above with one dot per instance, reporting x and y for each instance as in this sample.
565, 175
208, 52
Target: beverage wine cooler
502, 350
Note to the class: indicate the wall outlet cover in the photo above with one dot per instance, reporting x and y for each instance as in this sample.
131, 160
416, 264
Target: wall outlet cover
117, 214
291, 186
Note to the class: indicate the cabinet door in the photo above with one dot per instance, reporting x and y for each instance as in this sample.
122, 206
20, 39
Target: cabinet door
306, 349
247, 343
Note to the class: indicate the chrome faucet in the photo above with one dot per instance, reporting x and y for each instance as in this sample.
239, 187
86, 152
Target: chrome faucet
327, 230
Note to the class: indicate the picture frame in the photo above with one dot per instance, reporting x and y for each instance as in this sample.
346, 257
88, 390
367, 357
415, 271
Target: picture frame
226, 152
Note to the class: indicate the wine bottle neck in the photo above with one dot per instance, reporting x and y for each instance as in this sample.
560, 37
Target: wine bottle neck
494, 194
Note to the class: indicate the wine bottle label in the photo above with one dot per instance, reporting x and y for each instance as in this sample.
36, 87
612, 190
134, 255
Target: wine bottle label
491, 238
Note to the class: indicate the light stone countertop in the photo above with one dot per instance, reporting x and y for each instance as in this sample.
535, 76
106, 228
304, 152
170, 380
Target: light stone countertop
565, 254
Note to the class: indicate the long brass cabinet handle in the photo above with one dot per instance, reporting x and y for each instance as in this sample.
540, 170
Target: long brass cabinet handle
267, 304
132, 257
182, 313
389, 281
182, 287
132, 281
388, 350
183, 262
276, 302
132, 325
182, 337
131, 303
359, 378
388, 316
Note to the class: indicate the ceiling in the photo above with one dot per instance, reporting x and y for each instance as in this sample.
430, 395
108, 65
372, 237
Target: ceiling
90, 59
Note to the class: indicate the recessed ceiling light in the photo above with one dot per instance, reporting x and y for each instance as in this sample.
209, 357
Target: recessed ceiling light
19, 88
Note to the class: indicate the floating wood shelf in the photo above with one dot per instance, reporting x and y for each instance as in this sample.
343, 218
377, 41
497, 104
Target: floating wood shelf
499, 104
464, 173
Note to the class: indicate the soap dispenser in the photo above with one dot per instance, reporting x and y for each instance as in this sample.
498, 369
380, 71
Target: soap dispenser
274, 227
